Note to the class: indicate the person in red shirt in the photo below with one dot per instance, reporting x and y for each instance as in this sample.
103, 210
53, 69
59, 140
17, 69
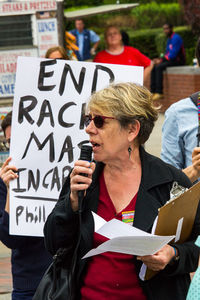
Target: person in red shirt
117, 53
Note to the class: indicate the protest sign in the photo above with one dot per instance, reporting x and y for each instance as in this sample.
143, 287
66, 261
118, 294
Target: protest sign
47, 130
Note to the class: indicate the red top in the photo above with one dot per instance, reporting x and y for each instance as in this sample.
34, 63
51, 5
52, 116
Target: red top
111, 275
129, 56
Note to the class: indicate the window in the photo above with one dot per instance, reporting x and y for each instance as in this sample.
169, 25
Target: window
15, 31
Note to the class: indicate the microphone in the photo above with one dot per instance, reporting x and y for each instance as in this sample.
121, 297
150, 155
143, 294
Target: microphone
86, 154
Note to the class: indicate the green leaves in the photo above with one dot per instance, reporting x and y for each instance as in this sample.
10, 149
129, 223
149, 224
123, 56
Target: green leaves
154, 15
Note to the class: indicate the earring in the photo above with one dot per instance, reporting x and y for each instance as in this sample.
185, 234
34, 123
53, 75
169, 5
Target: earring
129, 151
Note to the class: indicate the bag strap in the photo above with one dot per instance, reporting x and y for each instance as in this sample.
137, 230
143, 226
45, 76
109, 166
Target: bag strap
196, 100
71, 279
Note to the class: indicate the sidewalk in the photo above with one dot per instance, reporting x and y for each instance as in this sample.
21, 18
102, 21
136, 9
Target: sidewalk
5, 273
153, 145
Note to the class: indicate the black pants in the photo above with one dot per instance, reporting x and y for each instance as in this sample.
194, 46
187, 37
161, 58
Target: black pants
157, 75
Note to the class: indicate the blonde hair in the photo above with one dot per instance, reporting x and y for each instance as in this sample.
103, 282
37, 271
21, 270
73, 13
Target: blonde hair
126, 102
59, 49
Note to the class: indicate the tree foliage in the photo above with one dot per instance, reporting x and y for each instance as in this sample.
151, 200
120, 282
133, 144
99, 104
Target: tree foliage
154, 15
192, 13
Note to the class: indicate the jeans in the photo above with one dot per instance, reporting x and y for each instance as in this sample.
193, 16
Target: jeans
157, 75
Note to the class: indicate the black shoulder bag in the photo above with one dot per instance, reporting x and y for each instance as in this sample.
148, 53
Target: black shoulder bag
55, 282
58, 281
196, 100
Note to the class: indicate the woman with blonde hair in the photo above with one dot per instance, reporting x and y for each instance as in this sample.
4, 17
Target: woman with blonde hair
123, 180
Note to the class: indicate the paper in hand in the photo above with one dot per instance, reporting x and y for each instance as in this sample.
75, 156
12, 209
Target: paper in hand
126, 239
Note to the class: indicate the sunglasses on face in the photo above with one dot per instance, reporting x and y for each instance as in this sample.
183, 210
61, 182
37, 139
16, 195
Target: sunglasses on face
98, 120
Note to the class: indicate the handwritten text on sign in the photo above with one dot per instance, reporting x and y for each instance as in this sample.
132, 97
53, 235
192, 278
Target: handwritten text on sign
48, 130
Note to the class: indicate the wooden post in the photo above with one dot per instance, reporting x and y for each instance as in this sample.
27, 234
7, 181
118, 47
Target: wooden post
61, 22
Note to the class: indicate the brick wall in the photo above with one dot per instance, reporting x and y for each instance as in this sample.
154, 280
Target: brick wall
178, 83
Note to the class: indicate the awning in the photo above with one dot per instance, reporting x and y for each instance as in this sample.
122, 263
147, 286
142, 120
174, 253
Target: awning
81, 13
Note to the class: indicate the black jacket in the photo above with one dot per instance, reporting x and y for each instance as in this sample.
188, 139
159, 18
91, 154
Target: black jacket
62, 226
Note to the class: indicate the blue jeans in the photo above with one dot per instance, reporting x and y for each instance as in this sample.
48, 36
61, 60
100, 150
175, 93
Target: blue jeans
22, 295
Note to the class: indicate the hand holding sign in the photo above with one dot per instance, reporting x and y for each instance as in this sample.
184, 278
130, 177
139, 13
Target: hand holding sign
8, 172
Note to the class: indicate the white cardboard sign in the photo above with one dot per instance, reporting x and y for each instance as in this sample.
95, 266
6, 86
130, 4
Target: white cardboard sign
47, 130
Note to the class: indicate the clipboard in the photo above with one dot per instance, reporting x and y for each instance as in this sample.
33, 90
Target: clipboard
183, 207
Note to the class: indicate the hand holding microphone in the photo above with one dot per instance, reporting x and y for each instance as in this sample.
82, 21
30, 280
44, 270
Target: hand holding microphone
81, 177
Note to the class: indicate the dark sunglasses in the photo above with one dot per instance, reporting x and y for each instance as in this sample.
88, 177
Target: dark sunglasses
98, 120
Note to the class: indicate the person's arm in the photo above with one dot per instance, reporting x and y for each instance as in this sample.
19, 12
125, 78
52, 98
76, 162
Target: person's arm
157, 61
8, 173
7, 207
177, 258
147, 71
95, 39
193, 171
3, 195
94, 48
62, 226
172, 151
161, 259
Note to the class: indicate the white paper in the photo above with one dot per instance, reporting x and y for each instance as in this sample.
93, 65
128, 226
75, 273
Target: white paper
128, 240
115, 228
144, 267
98, 221
177, 237
178, 230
